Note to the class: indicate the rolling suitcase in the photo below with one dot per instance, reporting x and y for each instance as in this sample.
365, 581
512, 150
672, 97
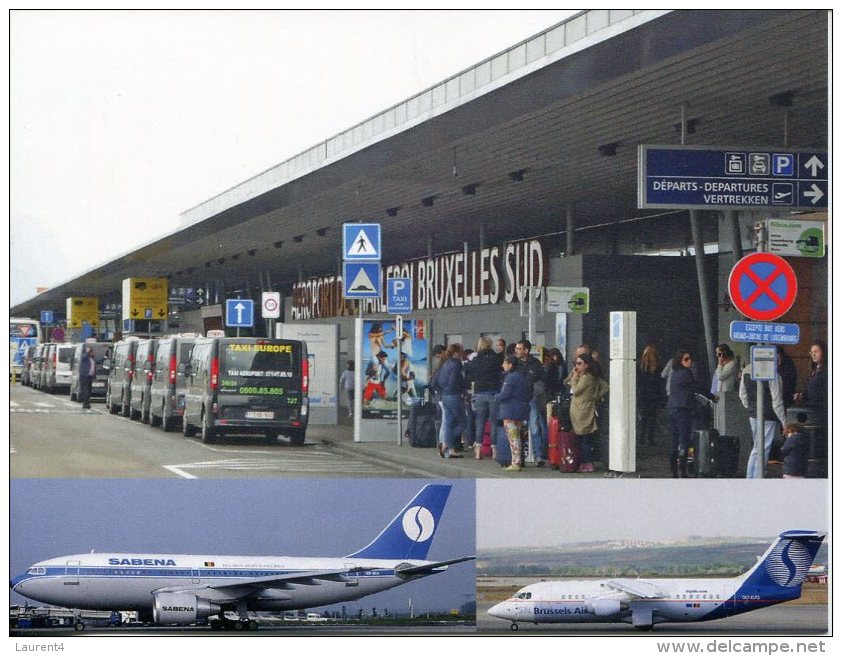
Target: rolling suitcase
553, 452
570, 452
485, 447
422, 425
712, 455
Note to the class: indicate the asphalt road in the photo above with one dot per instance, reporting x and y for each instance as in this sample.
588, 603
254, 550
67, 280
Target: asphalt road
53, 437
782, 620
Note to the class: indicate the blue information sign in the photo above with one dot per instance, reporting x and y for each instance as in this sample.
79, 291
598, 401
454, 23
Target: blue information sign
766, 333
735, 178
361, 242
399, 295
46, 316
361, 279
239, 313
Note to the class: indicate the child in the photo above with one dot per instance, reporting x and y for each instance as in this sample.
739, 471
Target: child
794, 451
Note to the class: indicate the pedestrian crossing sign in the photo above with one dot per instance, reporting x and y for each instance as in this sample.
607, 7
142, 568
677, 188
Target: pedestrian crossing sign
361, 279
361, 242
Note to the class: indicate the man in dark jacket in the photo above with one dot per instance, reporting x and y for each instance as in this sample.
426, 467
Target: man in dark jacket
87, 372
533, 370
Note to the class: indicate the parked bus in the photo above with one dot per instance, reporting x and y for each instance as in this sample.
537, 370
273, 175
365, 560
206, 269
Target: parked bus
23, 333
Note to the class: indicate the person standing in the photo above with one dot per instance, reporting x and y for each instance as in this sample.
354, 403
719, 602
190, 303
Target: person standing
484, 374
513, 407
650, 394
533, 370
449, 381
348, 381
794, 452
681, 405
587, 390
774, 416
724, 385
815, 396
87, 373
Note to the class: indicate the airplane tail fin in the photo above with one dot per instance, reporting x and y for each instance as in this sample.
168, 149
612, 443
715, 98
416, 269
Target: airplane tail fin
783, 568
410, 534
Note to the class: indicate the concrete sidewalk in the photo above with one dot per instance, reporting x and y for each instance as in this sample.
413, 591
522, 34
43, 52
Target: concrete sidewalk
652, 461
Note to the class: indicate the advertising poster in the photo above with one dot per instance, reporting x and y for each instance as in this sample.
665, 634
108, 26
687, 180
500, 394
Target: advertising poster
382, 371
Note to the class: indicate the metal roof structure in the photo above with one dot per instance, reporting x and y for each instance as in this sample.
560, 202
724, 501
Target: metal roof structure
553, 121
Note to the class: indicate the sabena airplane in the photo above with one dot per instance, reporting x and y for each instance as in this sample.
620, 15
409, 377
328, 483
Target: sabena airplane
181, 589
775, 578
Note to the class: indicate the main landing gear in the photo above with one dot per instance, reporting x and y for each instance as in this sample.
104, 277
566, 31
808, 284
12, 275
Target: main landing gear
225, 624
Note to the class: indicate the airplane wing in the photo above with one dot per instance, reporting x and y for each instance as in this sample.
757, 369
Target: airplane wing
637, 588
428, 568
229, 592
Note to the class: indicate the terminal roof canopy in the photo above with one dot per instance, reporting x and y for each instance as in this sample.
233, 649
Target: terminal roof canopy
557, 129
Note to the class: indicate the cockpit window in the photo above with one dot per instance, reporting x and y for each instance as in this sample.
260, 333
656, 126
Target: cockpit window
37, 571
523, 595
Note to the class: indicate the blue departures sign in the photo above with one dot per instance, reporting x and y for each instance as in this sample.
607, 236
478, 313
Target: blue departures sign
735, 178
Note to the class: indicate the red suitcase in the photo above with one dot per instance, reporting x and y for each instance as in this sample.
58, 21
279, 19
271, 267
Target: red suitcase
553, 452
570, 451
485, 447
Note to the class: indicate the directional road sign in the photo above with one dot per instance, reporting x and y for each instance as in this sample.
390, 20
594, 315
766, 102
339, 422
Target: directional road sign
46, 316
361, 279
735, 178
271, 305
762, 286
765, 333
361, 242
239, 313
399, 295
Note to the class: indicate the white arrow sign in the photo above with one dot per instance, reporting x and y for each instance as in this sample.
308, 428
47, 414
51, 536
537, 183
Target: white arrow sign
814, 164
815, 193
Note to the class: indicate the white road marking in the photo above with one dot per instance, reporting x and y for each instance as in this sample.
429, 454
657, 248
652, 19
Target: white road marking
12, 404
311, 462
41, 404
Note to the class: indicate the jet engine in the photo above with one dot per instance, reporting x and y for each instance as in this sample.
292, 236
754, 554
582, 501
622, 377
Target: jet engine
181, 608
605, 607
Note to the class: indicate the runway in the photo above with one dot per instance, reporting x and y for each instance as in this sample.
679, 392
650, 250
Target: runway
783, 620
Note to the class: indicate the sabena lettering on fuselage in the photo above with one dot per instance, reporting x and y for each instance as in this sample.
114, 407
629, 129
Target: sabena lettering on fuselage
141, 561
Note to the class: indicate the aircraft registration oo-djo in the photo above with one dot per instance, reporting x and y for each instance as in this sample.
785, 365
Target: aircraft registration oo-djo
181, 589
774, 579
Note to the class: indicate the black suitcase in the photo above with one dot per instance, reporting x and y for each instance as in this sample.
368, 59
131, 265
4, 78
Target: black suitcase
713, 455
422, 425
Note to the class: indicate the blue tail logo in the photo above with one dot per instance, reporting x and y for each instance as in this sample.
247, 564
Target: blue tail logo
784, 567
410, 534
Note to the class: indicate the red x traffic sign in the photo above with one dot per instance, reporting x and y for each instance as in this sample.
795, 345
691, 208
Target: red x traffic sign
762, 286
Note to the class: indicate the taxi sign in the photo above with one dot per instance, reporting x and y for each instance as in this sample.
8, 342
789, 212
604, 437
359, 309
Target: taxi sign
399, 295
762, 286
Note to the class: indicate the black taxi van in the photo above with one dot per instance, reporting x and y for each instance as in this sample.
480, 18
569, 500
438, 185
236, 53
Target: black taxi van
247, 385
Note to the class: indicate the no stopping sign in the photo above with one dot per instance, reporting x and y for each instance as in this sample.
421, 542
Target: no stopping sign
762, 286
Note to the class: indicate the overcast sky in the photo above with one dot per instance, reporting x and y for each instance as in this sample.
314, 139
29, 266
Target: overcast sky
122, 120
567, 511
51, 518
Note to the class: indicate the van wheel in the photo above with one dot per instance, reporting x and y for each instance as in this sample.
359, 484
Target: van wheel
144, 416
271, 436
166, 422
153, 419
73, 396
186, 429
208, 436
126, 409
109, 403
296, 436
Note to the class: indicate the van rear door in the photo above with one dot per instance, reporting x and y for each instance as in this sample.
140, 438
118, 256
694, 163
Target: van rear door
260, 379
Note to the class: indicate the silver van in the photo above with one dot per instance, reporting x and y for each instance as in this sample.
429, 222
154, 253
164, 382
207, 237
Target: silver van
168, 381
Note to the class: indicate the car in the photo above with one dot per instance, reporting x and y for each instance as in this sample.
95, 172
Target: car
247, 385
121, 372
168, 380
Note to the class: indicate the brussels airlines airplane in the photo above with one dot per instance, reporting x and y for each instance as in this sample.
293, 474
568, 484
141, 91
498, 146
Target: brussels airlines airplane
777, 577
181, 589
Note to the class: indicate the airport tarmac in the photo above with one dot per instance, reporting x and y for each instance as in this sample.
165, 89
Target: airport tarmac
782, 620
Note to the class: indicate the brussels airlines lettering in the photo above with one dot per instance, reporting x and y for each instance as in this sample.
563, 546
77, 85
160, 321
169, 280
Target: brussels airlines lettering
142, 561
483, 277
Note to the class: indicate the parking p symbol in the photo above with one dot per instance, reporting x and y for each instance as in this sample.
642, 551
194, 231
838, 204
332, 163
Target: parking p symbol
783, 164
